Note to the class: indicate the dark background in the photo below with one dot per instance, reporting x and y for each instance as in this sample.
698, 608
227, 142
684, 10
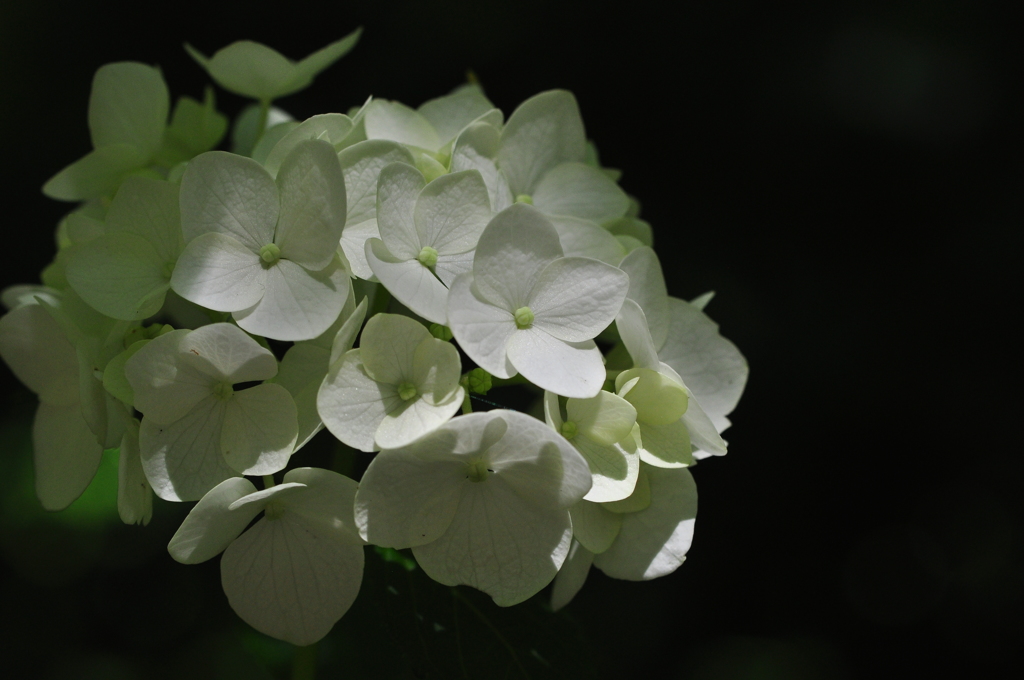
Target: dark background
847, 177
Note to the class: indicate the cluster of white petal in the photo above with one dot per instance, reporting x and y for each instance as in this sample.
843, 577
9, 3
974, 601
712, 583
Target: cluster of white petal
209, 312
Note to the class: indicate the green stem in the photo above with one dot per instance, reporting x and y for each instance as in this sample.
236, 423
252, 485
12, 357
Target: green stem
262, 122
467, 407
304, 663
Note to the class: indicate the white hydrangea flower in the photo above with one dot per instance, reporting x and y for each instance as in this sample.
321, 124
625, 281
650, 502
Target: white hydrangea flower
128, 109
400, 384
604, 430
428, 233
524, 308
482, 501
197, 430
134, 494
295, 572
126, 272
643, 537
264, 250
254, 70
337, 129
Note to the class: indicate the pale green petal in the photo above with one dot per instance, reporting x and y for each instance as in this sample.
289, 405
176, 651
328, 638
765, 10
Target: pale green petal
388, 346
311, 66
165, 387
268, 142
546, 130
134, 496
229, 194
579, 190
66, 454
665, 446
114, 379
289, 582
352, 404
194, 128
353, 245
211, 526
575, 298
149, 208
297, 304
583, 238
26, 294
481, 329
452, 212
302, 369
129, 104
647, 289
413, 419
397, 190
362, 164
476, 149
246, 132
594, 526
218, 272
225, 352
346, 335
98, 173
37, 351
571, 369
120, 275
327, 504
513, 250
703, 433
406, 500
398, 123
701, 301
631, 324
249, 69
313, 208
614, 468
606, 419
658, 398
183, 460
654, 542
499, 543
710, 365
633, 227
571, 576
331, 127
412, 284
436, 369
260, 429
451, 113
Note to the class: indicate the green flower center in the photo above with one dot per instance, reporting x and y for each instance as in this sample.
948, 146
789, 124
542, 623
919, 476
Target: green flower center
524, 317
223, 391
477, 471
427, 256
407, 391
569, 429
524, 198
270, 253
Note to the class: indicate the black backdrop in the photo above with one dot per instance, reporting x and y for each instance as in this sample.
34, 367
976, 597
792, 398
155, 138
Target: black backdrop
846, 176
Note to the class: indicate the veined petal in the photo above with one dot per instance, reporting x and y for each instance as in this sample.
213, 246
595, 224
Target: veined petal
703, 433
665, 446
583, 238
614, 468
571, 369
211, 525
544, 131
352, 404
409, 281
606, 419
575, 298
66, 454
260, 429
397, 190
35, 348
326, 505
229, 194
481, 329
452, 212
218, 272
449, 267
332, 127
413, 419
353, 245
636, 336
581, 191
313, 207
297, 304
449, 114
120, 275
399, 123
149, 208
362, 164
647, 289
302, 369
594, 526
571, 576
225, 352
388, 347
98, 173
476, 149
436, 369
165, 387
128, 104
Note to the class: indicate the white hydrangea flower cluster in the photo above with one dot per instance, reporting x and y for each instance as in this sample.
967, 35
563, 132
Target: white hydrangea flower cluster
502, 244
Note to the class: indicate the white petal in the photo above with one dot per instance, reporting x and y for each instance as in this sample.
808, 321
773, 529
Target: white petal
313, 206
571, 369
353, 244
352, 404
571, 576
397, 122
481, 329
575, 298
260, 429
449, 114
326, 506
134, 496
647, 289
128, 105
332, 127
436, 369
499, 543
409, 281
514, 249
654, 542
66, 454
594, 526
703, 433
224, 351
415, 418
290, 582
665, 446
388, 346
583, 238
165, 387
297, 304
120, 275
542, 132
229, 194
149, 208
449, 266
406, 500
636, 336
218, 272
582, 191
710, 365
37, 351
397, 189
606, 419
183, 460
476, 149
614, 468
302, 369
362, 164
452, 212
346, 335
211, 526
